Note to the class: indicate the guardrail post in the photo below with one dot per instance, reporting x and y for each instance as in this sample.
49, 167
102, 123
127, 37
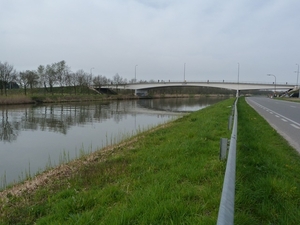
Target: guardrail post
230, 122
223, 148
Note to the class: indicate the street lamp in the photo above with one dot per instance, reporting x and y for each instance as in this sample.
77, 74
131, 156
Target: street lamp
135, 73
238, 73
274, 83
297, 80
184, 72
237, 93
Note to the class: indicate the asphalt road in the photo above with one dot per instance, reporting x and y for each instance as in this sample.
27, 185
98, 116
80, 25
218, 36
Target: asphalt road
284, 116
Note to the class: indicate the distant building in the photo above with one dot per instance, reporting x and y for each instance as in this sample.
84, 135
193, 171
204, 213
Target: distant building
12, 85
9, 85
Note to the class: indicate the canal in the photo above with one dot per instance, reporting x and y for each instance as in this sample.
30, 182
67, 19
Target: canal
36, 137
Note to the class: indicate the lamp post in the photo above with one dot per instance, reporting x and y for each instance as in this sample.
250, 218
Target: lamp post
238, 81
135, 73
274, 83
184, 72
297, 80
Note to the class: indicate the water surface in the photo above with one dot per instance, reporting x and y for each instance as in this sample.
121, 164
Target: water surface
33, 137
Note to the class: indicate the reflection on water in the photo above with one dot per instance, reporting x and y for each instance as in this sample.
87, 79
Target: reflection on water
178, 104
31, 136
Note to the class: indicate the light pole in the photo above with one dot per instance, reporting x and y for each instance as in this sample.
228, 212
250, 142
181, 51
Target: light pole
92, 71
184, 72
297, 80
238, 81
274, 83
135, 73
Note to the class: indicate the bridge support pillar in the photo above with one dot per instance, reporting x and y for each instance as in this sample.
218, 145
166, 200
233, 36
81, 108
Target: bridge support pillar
140, 93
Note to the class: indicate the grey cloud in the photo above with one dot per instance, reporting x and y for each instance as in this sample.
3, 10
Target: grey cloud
211, 37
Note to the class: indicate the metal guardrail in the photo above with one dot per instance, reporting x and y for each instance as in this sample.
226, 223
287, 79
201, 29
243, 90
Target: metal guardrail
226, 209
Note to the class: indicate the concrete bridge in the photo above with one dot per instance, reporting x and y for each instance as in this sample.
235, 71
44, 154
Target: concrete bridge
142, 87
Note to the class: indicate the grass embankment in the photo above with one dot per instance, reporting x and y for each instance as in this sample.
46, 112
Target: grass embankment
169, 175
173, 176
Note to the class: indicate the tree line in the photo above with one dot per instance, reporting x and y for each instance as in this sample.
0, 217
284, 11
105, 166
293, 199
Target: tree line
57, 74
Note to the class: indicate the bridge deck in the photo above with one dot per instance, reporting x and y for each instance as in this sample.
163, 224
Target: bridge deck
226, 85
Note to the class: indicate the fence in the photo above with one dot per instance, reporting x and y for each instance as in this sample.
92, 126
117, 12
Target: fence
226, 209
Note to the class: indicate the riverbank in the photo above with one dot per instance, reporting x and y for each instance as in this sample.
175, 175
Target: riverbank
40, 99
170, 174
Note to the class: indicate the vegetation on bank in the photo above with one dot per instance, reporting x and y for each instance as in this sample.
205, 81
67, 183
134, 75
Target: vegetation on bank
37, 95
172, 175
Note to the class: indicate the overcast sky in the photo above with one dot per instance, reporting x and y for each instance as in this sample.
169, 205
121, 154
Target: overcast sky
209, 37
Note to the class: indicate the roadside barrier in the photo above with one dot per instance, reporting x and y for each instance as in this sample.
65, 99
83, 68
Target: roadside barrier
226, 209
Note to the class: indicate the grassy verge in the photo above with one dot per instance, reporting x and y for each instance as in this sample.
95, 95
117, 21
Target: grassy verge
289, 99
169, 175
268, 173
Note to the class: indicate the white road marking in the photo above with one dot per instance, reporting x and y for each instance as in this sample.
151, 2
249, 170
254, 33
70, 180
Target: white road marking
293, 125
294, 122
284, 120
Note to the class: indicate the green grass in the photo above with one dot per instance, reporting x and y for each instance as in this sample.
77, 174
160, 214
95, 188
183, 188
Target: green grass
173, 175
268, 173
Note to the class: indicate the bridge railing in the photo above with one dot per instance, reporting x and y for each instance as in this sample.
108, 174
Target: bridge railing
199, 81
210, 81
226, 209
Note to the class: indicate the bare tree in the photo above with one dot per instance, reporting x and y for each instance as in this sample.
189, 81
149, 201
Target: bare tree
100, 81
41, 71
74, 81
97, 81
117, 79
22, 80
105, 80
33, 78
132, 81
61, 70
7, 75
28, 78
81, 78
50, 75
